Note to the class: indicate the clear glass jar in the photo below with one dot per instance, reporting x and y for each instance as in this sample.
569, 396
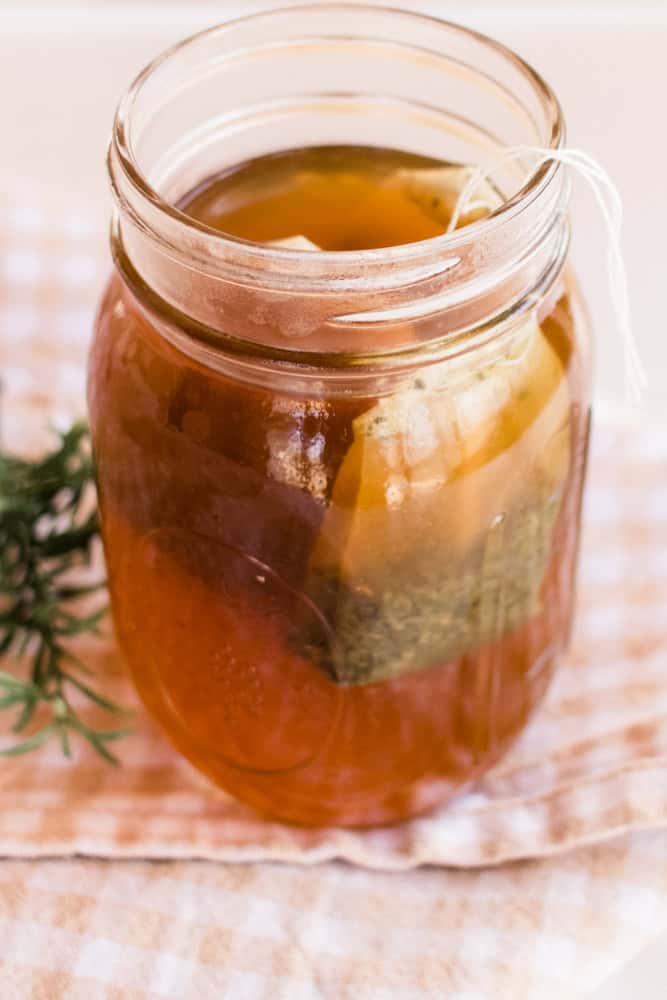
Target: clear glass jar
340, 491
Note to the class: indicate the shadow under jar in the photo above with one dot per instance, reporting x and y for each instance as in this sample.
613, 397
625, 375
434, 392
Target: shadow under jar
340, 490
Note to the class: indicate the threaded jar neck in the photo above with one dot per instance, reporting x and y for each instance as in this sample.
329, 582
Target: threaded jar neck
334, 74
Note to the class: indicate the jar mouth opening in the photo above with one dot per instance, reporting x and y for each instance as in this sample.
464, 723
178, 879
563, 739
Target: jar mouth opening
146, 195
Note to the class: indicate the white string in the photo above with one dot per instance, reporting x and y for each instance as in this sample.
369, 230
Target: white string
611, 205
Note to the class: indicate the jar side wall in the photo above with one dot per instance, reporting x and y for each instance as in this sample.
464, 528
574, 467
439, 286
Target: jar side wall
221, 504
342, 577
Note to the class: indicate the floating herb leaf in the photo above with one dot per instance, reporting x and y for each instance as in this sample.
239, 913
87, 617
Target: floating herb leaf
47, 528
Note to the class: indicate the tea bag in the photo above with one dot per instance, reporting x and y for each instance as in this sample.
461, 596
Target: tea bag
450, 489
452, 482
294, 243
437, 191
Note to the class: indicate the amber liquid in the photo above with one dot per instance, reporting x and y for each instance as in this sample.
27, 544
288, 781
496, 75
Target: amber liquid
210, 550
339, 198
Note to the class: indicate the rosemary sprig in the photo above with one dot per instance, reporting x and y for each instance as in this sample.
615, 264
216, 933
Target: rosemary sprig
46, 531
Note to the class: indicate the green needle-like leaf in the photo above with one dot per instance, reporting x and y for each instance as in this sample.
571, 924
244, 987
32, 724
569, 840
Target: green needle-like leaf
47, 527
34, 743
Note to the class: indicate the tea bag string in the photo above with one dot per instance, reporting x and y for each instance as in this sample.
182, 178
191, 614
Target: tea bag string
611, 205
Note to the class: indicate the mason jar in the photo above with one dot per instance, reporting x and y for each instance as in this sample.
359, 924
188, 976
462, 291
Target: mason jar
340, 491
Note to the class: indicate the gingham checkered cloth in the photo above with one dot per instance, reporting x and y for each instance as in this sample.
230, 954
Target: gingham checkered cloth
592, 765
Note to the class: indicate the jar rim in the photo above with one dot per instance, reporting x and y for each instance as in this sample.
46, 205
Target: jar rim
538, 179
